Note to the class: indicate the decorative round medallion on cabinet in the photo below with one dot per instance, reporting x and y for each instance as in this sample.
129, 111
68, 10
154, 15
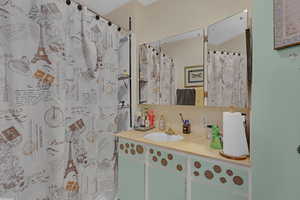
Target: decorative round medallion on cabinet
132, 151
151, 151
223, 180
238, 180
140, 149
298, 149
197, 165
170, 156
154, 158
229, 172
164, 162
179, 167
209, 175
196, 173
217, 169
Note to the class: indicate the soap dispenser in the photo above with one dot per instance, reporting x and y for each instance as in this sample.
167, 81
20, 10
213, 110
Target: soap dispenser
216, 141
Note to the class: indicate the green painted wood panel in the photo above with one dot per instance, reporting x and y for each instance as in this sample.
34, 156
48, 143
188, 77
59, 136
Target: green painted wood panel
169, 181
222, 175
165, 184
275, 112
131, 170
205, 191
131, 179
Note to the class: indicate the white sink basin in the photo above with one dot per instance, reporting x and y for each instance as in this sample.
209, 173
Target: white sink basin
163, 137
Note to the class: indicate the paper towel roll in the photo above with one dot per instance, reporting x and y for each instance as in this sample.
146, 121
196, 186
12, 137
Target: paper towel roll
234, 135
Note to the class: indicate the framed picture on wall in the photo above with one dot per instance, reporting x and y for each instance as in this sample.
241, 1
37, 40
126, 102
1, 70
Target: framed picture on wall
286, 23
194, 76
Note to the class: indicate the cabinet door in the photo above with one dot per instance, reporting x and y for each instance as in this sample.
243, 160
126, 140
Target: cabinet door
206, 191
217, 180
131, 171
166, 176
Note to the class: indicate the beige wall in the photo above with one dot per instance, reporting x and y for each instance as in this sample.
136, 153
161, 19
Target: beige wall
235, 45
171, 17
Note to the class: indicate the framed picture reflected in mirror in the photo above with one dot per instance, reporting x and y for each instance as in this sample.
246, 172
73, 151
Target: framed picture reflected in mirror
194, 76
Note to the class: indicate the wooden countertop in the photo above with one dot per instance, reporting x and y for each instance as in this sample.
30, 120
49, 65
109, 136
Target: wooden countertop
196, 144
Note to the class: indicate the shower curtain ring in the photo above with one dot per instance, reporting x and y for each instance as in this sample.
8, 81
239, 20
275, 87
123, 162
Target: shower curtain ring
97, 17
68, 2
79, 7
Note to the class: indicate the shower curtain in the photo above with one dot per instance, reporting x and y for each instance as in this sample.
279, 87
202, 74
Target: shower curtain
149, 83
227, 79
157, 85
167, 85
58, 102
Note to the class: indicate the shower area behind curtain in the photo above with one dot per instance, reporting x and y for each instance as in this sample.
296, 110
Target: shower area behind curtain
157, 77
59, 102
227, 79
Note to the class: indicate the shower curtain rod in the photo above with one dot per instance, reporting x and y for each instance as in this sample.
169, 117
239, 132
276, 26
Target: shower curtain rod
97, 14
224, 52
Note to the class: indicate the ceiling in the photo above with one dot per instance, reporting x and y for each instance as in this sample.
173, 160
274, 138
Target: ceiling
106, 6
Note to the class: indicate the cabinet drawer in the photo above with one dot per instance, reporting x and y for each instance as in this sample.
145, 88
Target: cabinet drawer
132, 150
221, 175
165, 159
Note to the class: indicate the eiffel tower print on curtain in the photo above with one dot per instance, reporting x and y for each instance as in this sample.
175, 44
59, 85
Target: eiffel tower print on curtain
41, 53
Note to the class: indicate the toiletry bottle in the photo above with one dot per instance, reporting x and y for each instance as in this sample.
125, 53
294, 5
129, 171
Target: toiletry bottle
138, 119
186, 128
147, 123
143, 121
162, 123
151, 118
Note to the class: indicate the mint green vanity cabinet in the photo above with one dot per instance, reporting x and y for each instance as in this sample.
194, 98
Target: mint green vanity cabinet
131, 175
166, 175
148, 172
214, 180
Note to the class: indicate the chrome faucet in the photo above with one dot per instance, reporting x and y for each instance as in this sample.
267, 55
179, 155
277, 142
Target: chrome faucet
170, 132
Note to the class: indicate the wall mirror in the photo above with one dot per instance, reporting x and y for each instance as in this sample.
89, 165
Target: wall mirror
227, 65
198, 70
172, 70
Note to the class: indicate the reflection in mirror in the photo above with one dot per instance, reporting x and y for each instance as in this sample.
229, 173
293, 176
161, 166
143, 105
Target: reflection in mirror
171, 70
226, 78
